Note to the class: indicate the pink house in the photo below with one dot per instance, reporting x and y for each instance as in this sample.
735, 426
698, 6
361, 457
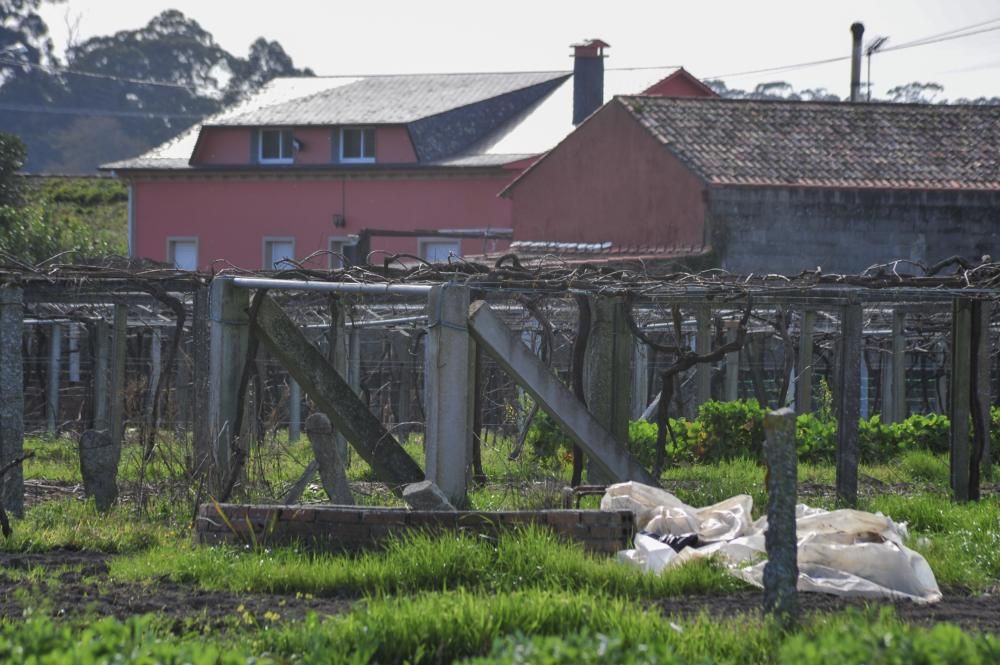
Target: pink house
363, 168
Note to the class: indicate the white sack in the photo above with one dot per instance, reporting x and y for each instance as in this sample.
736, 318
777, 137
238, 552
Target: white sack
842, 552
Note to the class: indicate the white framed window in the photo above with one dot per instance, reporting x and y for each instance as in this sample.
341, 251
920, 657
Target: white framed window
182, 253
276, 146
439, 250
337, 246
357, 145
276, 250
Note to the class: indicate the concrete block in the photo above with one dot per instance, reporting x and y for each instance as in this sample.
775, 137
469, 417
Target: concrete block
425, 495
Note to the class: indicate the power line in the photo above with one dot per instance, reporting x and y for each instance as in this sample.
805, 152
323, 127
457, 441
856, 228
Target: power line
63, 110
923, 41
110, 77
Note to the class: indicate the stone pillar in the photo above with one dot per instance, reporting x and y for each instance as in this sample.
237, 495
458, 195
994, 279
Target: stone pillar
703, 346
116, 383
849, 404
331, 465
449, 385
99, 458
732, 369
606, 372
640, 378
11, 398
53, 376
781, 572
228, 335
961, 380
804, 367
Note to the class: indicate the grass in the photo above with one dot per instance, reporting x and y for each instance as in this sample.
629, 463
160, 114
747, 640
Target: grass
527, 559
532, 626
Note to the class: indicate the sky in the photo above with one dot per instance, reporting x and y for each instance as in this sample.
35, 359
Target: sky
711, 38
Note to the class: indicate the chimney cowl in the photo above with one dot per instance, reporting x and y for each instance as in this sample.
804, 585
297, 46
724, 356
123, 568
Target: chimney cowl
588, 77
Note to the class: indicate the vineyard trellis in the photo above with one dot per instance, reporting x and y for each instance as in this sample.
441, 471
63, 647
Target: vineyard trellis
138, 349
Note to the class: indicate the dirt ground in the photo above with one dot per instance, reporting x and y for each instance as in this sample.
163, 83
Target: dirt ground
86, 589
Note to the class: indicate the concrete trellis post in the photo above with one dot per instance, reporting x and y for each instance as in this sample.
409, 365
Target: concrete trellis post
228, 338
702, 346
101, 374
732, 370
898, 367
781, 572
607, 372
116, 382
294, 410
961, 380
11, 398
804, 367
849, 404
449, 389
53, 375
200, 373
640, 378
155, 367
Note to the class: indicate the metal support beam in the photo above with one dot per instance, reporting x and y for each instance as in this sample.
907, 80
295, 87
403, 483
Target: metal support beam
804, 367
449, 392
11, 398
849, 404
522, 365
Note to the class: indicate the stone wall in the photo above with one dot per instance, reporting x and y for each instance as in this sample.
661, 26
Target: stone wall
347, 528
787, 230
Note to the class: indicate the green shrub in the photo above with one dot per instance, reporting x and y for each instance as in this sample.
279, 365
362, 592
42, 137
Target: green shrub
731, 429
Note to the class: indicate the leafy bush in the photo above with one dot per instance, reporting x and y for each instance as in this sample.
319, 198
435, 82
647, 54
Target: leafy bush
40, 640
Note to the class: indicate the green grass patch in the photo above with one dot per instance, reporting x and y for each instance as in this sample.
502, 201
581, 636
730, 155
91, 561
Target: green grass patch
76, 525
527, 558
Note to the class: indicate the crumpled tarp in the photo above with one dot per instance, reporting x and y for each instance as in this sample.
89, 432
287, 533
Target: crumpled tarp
842, 552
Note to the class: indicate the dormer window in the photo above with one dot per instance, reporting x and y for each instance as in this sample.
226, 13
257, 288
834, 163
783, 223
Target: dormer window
357, 145
276, 146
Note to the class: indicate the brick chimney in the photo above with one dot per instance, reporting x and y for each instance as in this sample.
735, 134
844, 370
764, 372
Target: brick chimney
588, 78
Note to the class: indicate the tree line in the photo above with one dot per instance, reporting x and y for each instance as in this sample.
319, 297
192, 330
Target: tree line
94, 104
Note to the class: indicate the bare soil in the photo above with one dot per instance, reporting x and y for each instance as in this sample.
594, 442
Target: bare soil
77, 584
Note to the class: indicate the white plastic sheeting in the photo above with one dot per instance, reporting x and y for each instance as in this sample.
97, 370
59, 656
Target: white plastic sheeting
842, 552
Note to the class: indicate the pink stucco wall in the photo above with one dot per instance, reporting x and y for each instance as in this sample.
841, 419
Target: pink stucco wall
610, 181
393, 146
231, 216
316, 145
223, 145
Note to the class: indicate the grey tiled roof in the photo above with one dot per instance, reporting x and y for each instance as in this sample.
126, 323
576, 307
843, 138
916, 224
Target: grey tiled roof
828, 144
389, 99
